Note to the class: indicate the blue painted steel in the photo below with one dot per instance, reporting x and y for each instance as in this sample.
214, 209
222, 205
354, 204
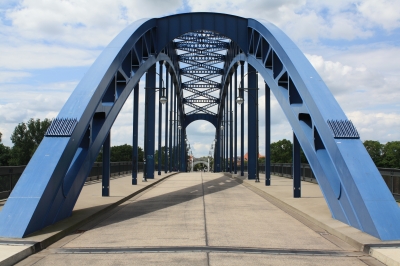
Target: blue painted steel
166, 163
296, 168
149, 125
349, 180
241, 92
183, 151
252, 110
217, 152
230, 126
160, 85
226, 139
135, 138
170, 149
267, 136
235, 125
105, 179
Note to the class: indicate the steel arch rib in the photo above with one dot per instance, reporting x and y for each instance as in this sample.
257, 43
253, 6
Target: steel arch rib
350, 182
44, 195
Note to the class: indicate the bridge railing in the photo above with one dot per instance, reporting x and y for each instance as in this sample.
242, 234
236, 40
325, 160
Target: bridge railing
391, 176
9, 175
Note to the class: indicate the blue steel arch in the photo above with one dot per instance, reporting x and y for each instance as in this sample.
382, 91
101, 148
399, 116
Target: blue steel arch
349, 180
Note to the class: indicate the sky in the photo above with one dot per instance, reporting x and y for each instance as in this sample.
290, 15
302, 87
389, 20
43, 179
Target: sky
46, 47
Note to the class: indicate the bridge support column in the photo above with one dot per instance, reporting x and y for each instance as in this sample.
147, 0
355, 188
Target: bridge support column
230, 127
267, 136
135, 156
166, 149
235, 126
241, 92
170, 148
226, 131
217, 156
105, 181
183, 150
175, 132
252, 122
150, 117
296, 168
160, 80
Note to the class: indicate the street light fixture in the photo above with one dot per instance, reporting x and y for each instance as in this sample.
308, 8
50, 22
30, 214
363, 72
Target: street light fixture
163, 99
239, 100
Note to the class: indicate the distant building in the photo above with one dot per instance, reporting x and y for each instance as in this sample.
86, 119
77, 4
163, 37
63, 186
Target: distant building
246, 156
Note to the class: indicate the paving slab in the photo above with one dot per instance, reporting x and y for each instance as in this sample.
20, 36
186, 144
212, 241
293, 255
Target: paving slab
313, 207
90, 204
200, 219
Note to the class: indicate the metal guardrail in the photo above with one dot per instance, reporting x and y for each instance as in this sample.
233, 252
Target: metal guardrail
9, 175
391, 176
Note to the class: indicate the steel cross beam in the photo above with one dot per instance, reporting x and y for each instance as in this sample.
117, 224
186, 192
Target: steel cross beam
204, 50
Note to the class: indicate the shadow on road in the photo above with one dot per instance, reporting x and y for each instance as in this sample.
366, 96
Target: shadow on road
142, 207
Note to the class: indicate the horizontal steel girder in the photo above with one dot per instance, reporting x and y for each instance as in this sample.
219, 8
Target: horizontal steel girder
202, 86
185, 100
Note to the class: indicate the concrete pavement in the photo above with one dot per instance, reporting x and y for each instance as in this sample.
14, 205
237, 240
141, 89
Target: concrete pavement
206, 219
90, 205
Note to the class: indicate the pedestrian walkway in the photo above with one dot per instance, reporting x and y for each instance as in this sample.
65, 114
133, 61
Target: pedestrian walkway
205, 219
89, 205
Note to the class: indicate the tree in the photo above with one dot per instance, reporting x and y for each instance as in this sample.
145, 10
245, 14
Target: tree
4, 153
374, 148
26, 138
391, 154
162, 156
121, 153
281, 151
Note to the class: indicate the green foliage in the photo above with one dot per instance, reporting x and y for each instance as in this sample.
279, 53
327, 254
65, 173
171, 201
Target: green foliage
121, 153
391, 155
281, 151
4, 153
162, 156
384, 155
26, 138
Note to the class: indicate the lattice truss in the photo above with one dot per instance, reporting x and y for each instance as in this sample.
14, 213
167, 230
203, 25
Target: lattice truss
201, 57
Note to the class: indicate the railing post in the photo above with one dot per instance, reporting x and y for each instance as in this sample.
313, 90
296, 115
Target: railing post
296, 168
106, 167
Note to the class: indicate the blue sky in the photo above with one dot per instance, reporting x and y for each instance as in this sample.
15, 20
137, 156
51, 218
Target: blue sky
47, 46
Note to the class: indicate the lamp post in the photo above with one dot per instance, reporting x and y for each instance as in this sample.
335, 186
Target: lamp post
149, 128
240, 101
163, 100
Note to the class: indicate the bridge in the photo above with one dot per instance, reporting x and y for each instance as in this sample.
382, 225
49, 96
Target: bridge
199, 60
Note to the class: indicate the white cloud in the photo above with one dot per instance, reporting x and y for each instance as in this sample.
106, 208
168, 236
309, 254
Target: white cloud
41, 35
379, 126
12, 76
383, 13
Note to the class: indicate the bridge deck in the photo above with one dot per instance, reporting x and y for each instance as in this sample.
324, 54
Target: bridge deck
207, 219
